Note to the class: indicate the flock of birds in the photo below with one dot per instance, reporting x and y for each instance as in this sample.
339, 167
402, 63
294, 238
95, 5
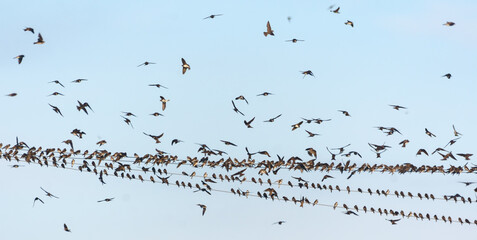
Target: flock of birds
149, 164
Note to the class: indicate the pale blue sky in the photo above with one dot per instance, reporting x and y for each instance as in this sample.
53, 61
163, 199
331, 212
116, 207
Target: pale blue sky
395, 54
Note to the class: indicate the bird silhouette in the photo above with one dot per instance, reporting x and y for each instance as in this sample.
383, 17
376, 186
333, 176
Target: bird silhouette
57, 82
269, 30
37, 199
40, 39
164, 101
212, 16
236, 109
185, 66
48, 193
204, 208
145, 63
20, 58
348, 22
106, 200
29, 29
65, 227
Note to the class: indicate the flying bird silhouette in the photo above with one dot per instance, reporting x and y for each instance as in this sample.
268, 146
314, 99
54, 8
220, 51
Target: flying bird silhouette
29, 29
212, 16
185, 66
20, 58
269, 30
40, 39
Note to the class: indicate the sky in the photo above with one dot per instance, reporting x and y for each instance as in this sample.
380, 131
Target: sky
396, 53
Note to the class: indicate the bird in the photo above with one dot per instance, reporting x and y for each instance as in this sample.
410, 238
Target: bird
341, 149
241, 97
449, 24
212, 16
325, 177
466, 156
467, 183
175, 141
393, 221
56, 109
83, 106
294, 40
145, 63
156, 114
66, 228
404, 142
79, 80
37, 199
247, 123
397, 107
421, 151
273, 119
106, 200
455, 131
127, 121
429, 133
279, 222
20, 58
68, 142
452, 141
265, 94
296, 125
156, 138
346, 113
29, 29
269, 30
56, 94
101, 143
185, 66
349, 212
236, 109
157, 85
57, 82
164, 101
337, 10
348, 22
40, 39
12, 94
48, 193
307, 72
204, 208
447, 75
228, 143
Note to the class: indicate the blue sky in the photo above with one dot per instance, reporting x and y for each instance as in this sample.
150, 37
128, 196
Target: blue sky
396, 53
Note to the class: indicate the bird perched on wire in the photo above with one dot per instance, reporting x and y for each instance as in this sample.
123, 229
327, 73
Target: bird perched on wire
269, 30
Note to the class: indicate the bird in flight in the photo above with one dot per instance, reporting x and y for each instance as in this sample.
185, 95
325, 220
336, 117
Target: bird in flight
56, 109
106, 200
455, 131
467, 183
212, 16
164, 101
228, 143
307, 72
265, 94
296, 125
241, 97
337, 10
236, 109
56, 94
326, 177
57, 82
341, 148
349, 212
185, 66
273, 119
279, 222
79, 80
65, 227
310, 134
40, 39
429, 133
101, 143
204, 208
20, 58
83, 106
37, 199
393, 221
247, 123
157, 85
127, 121
449, 24
29, 29
447, 75
11, 95
349, 23
294, 40
269, 30
397, 107
48, 193
145, 63
156, 138
346, 113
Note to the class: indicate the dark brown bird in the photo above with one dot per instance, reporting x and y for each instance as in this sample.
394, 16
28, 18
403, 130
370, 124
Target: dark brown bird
212, 16
421, 151
279, 222
145, 63
56, 109
241, 97
29, 29
348, 22
156, 114
236, 109
156, 138
83, 106
265, 94
393, 221
40, 39
20, 58
185, 66
429, 133
449, 24
404, 142
79, 80
337, 11
455, 131
272, 119
48, 193
66, 228
127, 121
296, 125
349, 212
466, 156
397, 107
157, 85
307, 72
57, 82
164, 101
269, 30
11, 95
106, 200
341, 149
294, 40
326, 177
176, 141
310, 134
37, 199
247, 123
228, 143
204, 208
101, 143
56, 94
346, 113
448, 75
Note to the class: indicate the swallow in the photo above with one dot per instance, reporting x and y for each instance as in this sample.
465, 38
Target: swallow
455, 131
236, 109
346, 113
466, 156
157, 85
16, 166
341, 149
397, 107
129, 114
241, 97
279, 222
273, 119
176, 141
349, 212
156, 138
164, 101
145, 63
269, 30
449, 24
333, 156
57, 82
349, 23
83, 106
11, 95
337, 11
451, 142
393, 221
467, 183
66, 228
429, 133
247, 123
101, 143
228, 143
296, 125
265, 94
307, 72
40, 39
78, 133
204, 208
29, 29
404, 142
156, 114
294, 40
37, 199
56, 109
106, 200
289, 18
448, 75
185, 66
56, 94
79, 80
127, 121
319, 120
69, 142
326, 177
212, 16
310, 134
48, 194
20, 58
421, 151
300, 179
